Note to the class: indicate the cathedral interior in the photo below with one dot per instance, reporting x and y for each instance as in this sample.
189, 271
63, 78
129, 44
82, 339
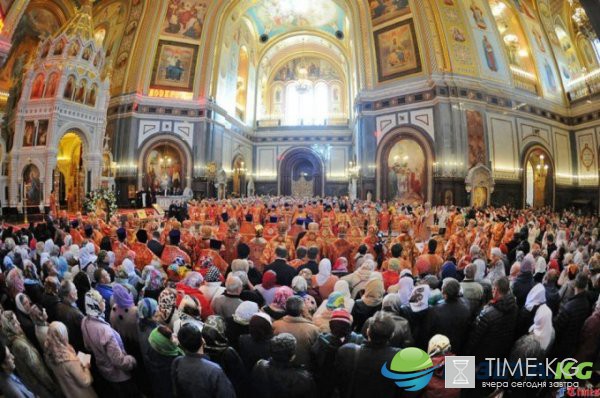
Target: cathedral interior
464, 102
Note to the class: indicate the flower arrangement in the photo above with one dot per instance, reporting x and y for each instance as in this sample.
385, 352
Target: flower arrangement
101, 196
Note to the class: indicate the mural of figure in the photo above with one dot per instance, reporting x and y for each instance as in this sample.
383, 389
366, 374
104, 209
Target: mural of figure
174, 68
549, 76
91, 98
74, 50
523, 8
38, 87
29, 135
80, 94
458, 35
87, 53
490, 58
52, 86
32, 185
478, 16
406, 172
42, 133
59, 47
538, 40
69, 88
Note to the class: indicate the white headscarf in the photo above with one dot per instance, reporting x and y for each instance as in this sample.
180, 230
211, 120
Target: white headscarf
419, 299
48, 245
324, 271
542, 328
536, 296
405, 289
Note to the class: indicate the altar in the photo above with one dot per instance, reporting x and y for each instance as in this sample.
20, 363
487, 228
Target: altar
166, 201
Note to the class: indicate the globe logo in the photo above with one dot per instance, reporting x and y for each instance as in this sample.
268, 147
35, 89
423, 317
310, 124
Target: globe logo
411, 369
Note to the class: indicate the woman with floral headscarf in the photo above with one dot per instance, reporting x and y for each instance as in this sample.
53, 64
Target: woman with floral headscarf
146, 311
40, 321
188, 310
28, 360
415, 311
217, 347
276, 310
322, 317
153, 282
123, 316
33, 285
166, 306
111, 359
212, 286
74, 378
190, 286
15, 282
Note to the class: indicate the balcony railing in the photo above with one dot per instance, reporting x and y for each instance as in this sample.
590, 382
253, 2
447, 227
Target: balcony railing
587, 85
302, 122
524, 80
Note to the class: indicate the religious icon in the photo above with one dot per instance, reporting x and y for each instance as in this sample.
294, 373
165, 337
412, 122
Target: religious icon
185, 18
87, 53
406, 172
52, 86
29, 135
538, 40
59, 47
478, 16
38, 86
397, 51
45, 50
32, 185
490, 58
458, 35
74, 50
80, 93
174, 66
91, 98
69, 88
42, 133
549, 76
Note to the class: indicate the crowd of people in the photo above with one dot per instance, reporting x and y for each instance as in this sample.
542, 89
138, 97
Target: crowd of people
281, 297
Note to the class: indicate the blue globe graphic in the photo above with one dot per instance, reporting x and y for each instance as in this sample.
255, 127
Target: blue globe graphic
411, 369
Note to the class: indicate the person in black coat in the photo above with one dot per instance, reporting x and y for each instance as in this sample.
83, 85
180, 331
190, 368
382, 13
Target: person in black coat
524, 281
277, 376
154, 244
161, 353
68, 313
194, 375
493, 331
358, 367
311, 264
552, 291
450, 317
324, 350
255, 346
570, 319
285, 272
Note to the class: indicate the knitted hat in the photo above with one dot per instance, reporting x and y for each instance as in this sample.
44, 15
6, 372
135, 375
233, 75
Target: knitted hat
283, 347
335, 300
341, 315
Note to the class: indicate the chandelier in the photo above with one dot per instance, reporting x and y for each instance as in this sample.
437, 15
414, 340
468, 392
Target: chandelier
541, 169
581, 20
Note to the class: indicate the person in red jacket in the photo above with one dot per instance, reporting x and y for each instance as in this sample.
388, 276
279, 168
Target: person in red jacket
190, 285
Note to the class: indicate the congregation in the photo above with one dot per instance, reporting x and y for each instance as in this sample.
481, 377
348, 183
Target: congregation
274, 297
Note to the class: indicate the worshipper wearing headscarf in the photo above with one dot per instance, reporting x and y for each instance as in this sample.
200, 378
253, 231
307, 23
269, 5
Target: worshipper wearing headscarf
146, 310
254, 346
323, 315
87, 260
123, 317
32, 284
368, 304
212, 286
535, 299
324, 280
188, 310
14, 282
166, 306
74, 378
153, 282
340, 267
279, 376
402, 336
359, 278
415, 311
438, 349
190, 286
404, 286
11, 385
566, 281
300, 288
111, 359
391, 275
22, 311
161, 353
217, 347
276, 310
324, 350
132, 277
28, 361
497, 269
268, 287
449, 270
238, 324
40, 322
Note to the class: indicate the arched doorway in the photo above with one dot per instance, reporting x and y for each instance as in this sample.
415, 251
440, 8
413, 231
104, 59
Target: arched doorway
538, 178
404, 171
69, 175
239, 176
164, 168
301, 173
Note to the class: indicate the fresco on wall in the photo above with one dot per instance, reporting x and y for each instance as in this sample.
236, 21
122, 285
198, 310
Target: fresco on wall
406, 172
185, 19
385, 10
174, 66
109, 25
29, 134
42, 133
492, 61
589, 55
475, 138
397, 51
274, 17
456, 31
310, 68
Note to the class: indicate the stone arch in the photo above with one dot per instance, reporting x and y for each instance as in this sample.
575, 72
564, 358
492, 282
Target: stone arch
384, 148
294, 157
479, 177
550, 190
174, 142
